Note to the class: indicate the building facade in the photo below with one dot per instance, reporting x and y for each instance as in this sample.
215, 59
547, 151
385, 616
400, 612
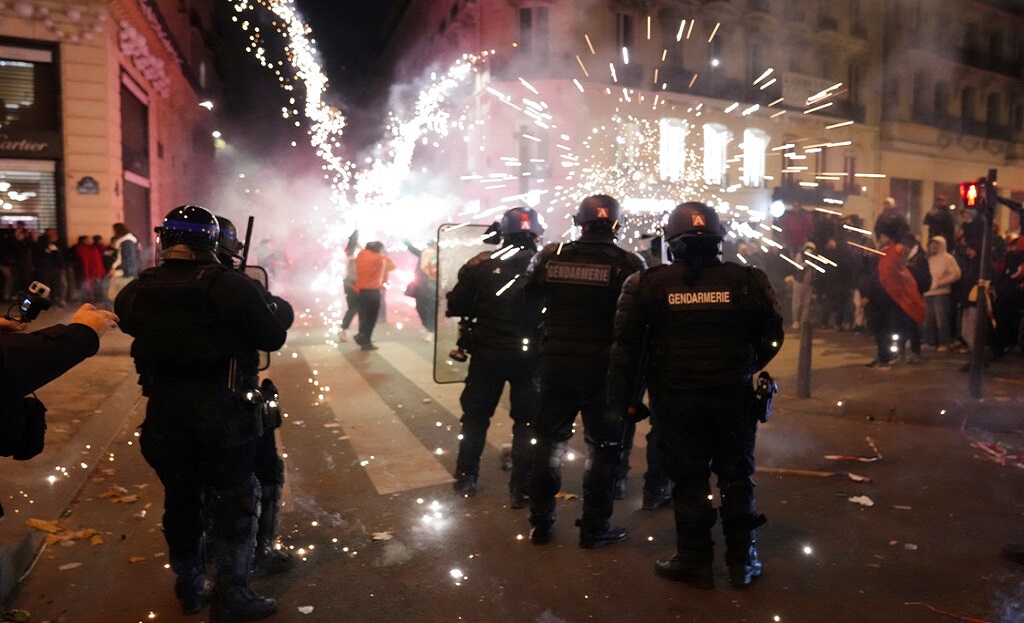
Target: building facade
100, 116
833, 104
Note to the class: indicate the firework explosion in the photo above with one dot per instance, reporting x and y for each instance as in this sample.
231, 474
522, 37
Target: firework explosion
413, 180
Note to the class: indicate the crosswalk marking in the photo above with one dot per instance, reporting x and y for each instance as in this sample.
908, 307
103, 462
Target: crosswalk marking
419, 371
395, 459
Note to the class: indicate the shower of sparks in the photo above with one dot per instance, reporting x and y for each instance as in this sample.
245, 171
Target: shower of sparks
411, 180
325, 122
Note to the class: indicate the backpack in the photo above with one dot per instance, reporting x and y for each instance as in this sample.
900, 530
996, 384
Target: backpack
22, 428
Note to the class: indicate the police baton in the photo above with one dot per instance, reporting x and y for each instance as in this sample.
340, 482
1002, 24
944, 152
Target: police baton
245, 247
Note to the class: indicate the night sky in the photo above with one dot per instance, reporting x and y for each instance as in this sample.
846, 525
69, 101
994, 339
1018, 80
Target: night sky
350, 35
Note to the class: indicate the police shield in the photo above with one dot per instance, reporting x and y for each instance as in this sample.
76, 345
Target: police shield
456, 245
259, 274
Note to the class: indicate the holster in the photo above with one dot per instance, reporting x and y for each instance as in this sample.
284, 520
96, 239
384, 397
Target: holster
764, 392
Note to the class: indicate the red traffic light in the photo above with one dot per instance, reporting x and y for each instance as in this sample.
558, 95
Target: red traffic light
970, 193
974, 194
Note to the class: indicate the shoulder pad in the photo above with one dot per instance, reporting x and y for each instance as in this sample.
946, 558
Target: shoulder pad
478, 259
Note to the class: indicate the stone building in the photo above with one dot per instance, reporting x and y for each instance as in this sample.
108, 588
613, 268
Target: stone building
831, 104
100, 115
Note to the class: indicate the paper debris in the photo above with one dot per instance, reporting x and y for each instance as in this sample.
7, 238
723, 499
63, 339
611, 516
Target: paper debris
382, 536
45, 526
305, 609
863, 500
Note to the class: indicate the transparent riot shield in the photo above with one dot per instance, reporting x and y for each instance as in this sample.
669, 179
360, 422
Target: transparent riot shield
258, 273
456, 245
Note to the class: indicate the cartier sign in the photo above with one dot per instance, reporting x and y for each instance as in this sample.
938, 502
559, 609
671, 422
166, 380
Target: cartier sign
29, 145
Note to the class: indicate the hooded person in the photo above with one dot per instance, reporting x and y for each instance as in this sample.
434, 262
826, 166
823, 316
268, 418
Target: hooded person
944, 271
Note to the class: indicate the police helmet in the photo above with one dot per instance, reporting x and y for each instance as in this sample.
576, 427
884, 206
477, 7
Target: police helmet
693, 220
190, 225
228, 244
521, 220
597, 208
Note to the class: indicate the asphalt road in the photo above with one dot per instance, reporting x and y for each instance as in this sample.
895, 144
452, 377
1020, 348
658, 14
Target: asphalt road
371, 441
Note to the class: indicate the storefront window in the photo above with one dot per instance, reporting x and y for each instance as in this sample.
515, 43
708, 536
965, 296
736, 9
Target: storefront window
28, 194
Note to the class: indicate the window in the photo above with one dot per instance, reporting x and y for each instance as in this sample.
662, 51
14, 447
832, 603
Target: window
755, 146
850, 167
716, 144
941, 102
672, 148
134, 127
993, 111
533, 30
28, 193
29, 92
627, 151
671, 41
624, 36
967, 104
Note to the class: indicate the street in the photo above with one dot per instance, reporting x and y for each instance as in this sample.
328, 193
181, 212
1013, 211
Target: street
370, 443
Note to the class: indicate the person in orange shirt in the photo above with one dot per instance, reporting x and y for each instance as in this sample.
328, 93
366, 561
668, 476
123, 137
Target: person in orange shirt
372, 268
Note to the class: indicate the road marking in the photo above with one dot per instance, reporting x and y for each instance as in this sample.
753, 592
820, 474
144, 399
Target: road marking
418, 370
395, 459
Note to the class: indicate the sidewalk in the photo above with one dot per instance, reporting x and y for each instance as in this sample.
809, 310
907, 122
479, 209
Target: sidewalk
85, 409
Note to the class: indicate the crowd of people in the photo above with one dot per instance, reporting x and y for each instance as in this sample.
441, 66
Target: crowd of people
93, 270
891, 278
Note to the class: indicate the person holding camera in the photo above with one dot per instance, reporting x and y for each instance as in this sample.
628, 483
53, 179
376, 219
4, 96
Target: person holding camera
707, 327
198, 326
29, 361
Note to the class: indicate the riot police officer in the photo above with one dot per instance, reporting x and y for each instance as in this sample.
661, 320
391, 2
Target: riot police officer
710, 326
500, 333
269, 466
578, 284
197, 325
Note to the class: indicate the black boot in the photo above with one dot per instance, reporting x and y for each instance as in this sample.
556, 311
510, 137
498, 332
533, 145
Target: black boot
192, 589
540, 531
741, 550
594, 534
654, 499
520, 459
691, 567
268, 559
235, 518
545, 479
465, 484
599, 497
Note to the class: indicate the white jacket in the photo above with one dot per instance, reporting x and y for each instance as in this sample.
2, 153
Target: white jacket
944, 269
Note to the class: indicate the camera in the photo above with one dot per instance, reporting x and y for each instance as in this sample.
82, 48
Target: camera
36, 300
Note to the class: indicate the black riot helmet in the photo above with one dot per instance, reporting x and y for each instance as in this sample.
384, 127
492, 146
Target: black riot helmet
693, 220
229, 247
521, 220
190, 225
598, 208
693, 228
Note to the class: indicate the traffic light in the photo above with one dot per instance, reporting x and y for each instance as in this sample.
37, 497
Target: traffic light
975, 194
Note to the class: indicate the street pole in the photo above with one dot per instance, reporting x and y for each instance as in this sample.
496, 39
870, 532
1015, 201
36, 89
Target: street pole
981, 328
